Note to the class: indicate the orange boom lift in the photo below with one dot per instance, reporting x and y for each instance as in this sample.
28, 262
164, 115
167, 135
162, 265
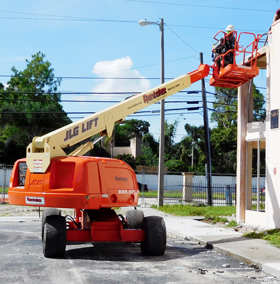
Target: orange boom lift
92, 186
47, 177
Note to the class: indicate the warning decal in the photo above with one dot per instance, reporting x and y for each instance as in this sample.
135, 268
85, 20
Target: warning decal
37, 166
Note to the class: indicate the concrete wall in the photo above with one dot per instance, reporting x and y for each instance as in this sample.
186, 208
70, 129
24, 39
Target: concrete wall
2, 177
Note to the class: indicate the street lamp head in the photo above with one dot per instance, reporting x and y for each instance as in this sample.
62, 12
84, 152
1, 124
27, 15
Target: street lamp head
145, 23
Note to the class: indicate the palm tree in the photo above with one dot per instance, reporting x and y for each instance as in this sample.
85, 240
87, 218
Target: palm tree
196, 137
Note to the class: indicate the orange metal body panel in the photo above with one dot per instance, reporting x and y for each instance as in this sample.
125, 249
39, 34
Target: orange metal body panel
200, 73
77, 182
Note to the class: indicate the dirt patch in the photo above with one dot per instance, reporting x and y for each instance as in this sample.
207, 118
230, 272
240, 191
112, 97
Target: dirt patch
243, 229
7, 210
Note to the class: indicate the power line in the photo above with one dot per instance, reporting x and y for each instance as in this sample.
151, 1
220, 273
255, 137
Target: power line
84, 93
119, 78
114, 78
215, 28
41, 14
84, 19
107, 101
99, 78
70, 19
181, 39
117, 21
203, 6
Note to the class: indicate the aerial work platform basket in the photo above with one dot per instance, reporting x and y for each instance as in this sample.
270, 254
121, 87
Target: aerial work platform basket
226, 51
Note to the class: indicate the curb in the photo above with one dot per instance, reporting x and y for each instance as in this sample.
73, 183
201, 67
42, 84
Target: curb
223, 251
272, 268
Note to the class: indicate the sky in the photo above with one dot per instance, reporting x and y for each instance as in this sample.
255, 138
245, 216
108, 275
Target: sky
99, 47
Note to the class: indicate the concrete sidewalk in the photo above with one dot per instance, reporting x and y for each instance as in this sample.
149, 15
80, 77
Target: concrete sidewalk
224, 240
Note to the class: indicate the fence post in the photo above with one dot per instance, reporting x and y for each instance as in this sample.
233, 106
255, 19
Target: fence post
2, 193
187, 186
228, 194
4, 187
142, 186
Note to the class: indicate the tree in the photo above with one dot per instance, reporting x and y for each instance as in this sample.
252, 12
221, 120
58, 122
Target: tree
169, 144
223, 137
128, 129
259, 112
176, 166
150, 158
223, 149
151, 151
225, 107
193, 145
30, 105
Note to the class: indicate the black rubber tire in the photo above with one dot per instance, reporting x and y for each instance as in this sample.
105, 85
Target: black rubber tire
155, 230
134, 219
54, 242
48, 212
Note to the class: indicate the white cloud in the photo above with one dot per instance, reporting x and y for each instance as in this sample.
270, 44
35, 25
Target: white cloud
119, 68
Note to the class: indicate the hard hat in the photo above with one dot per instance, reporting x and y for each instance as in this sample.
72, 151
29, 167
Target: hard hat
230, 28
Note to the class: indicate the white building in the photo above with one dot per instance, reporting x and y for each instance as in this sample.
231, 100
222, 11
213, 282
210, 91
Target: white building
258, 135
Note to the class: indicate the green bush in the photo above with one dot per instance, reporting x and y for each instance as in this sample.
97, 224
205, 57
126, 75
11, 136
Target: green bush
141, 161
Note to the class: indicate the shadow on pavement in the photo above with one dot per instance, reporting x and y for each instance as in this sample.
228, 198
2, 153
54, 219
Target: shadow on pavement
127, 252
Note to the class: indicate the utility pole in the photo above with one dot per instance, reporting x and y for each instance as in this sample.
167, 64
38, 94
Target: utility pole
207, 140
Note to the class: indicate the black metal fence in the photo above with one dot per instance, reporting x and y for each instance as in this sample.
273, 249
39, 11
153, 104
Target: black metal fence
197, 193
222, 195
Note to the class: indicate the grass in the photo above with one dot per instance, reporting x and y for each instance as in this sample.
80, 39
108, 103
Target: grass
232, 223
272, 236
2, 189
262, 206
178, 193
189, 210
217, 219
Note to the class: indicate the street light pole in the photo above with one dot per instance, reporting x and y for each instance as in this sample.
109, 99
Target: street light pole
162, 119
162, 126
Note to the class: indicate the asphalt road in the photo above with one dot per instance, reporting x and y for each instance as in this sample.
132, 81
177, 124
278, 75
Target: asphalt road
22, 261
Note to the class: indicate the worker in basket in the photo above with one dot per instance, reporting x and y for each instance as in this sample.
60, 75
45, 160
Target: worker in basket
223, 46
